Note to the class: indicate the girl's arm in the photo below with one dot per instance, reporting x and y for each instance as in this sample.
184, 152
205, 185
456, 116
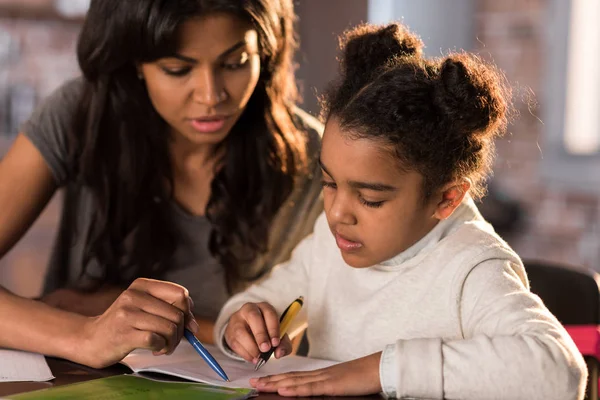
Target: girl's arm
285, 283
513, 347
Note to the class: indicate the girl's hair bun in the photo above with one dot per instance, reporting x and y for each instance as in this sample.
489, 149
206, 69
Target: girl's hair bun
367, 48
470, 96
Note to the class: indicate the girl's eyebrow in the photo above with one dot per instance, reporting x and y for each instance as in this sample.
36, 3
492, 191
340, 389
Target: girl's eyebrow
222, 55
379, 187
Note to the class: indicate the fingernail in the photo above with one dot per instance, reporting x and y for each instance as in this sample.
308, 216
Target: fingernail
265, 346
254, 361
193, 326
252, 380
275, 341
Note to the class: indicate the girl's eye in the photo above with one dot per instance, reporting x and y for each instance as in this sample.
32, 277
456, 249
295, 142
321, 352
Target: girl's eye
372, 204
327, 184
176, 71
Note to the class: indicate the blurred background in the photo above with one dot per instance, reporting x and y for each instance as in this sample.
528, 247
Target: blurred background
544, 197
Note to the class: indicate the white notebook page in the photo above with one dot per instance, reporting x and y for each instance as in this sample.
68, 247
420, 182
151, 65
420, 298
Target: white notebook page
186, 363
21, 366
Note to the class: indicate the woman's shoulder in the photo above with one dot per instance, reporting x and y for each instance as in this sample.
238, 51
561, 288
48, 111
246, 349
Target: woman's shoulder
59, 105
47, 127
68, 93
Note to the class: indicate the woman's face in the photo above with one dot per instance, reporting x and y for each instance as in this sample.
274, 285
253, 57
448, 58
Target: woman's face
203, 89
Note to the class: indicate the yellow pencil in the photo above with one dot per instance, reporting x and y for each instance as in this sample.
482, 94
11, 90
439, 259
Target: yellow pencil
284, 323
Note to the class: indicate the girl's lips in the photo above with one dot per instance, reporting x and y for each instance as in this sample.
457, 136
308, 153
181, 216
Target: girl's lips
208, 125
345, 244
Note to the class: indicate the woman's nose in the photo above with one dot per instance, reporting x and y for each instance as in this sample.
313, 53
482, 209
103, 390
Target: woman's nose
208, 88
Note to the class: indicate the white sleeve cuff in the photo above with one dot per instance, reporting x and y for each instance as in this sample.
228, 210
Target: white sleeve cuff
388, 372
412, 368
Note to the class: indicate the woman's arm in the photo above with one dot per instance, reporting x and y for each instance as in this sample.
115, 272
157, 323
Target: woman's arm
149, 314
26, 186
95, 303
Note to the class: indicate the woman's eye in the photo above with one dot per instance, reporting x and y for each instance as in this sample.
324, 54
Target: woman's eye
233, 67
241, 62
176, 71
327, 184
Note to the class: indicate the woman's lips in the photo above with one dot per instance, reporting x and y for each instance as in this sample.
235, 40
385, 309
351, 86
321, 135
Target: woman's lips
208, 125
345, 244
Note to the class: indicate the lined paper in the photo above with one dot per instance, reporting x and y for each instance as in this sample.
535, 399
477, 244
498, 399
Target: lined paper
21, 366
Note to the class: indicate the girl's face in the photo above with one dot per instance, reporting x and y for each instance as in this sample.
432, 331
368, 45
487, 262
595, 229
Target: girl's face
374, 209
203, 89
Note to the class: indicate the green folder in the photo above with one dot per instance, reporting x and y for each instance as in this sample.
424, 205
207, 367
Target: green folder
130, 387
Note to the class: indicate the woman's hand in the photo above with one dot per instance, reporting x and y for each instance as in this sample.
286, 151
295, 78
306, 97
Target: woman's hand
149, 315
253, 329
353, 378
85, 303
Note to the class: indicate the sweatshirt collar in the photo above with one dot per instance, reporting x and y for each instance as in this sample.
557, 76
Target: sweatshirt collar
466, 211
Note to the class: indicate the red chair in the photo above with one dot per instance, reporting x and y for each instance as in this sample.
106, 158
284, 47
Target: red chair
572, 294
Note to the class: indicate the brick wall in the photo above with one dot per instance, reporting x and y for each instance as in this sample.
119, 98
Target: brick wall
559, 225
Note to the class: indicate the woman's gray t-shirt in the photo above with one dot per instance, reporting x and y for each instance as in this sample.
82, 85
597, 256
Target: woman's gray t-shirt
191, 265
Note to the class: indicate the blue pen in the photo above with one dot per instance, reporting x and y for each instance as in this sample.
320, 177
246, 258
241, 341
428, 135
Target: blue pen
210, 360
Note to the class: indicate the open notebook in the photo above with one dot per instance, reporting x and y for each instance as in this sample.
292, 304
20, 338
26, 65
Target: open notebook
186, 363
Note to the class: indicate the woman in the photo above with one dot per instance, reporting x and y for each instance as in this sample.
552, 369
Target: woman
183, 159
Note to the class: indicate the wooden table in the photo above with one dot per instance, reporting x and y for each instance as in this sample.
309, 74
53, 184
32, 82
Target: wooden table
67, 372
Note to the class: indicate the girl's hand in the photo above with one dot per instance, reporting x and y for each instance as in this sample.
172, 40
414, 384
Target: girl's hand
253, 329
353, 378
149, 315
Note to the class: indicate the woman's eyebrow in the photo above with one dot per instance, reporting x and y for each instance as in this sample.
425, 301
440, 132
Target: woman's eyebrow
222, 55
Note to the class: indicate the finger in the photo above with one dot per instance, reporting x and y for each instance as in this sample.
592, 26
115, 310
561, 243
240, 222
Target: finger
296, 383
271, 321
241, 351
170, 293
286, 377
173, 294
312, 388
256, 322
241, 341
146, 340
190, 319
151, 305
147, 322
284, 348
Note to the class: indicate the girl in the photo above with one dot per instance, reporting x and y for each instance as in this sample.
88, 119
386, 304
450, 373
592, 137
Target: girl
404, 282
183, 157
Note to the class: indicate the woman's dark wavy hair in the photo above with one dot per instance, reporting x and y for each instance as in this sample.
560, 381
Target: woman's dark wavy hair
439, 116
119, 142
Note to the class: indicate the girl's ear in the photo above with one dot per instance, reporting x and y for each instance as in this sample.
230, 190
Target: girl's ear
450, 198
